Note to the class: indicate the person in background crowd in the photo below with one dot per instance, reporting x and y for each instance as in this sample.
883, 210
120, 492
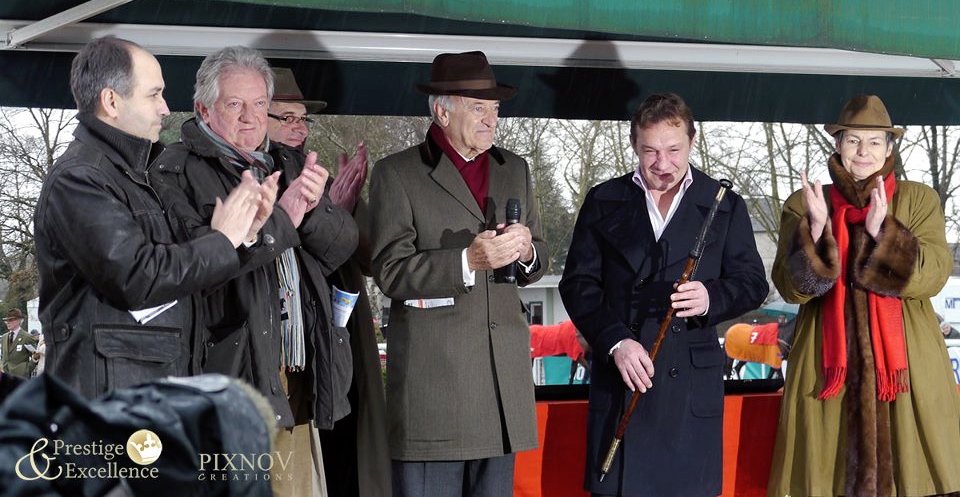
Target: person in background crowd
357, 444
287, 347
18, 347
115, 274
631, 243
870, 405
949, 332
40, 356
459, 387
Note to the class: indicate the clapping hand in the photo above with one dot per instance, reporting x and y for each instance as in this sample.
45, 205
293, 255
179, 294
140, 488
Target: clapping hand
815, 205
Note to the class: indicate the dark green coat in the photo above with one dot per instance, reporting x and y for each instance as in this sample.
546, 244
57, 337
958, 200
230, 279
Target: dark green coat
924, 422
459, 384
16, 357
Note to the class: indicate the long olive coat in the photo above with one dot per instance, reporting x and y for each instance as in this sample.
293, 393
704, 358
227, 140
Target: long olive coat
459, 384
810, 453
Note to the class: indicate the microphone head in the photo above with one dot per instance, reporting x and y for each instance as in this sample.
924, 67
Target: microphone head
725, 183
513, 210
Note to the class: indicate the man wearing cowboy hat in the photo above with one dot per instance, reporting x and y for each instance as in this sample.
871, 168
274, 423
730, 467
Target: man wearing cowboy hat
18, 346
289, 110
459, 389
357, 444
870, 384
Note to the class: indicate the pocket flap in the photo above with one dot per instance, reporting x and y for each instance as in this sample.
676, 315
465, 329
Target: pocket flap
161, 345
706, 355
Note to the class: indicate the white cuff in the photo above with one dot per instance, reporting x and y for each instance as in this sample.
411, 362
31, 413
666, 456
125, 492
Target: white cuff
528, 267
469, 275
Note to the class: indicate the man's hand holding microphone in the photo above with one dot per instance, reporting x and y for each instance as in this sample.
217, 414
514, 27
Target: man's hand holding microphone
490, 250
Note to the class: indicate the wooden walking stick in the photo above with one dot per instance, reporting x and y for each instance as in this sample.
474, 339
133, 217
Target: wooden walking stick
688, 272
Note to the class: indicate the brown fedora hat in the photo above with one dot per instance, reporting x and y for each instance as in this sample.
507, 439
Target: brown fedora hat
285, 89
13, 314
864, 112
467, 74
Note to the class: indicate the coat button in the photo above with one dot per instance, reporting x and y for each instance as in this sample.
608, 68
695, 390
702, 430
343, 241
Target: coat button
674, 372
634, 326
339, 340
493, 325
329, 208
675, 328
491, 279
268, 239
639, 284
278, 417
210, 344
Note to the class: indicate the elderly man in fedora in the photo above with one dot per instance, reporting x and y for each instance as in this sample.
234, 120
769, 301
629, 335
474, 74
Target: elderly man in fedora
870, 405
459, 388
18, 346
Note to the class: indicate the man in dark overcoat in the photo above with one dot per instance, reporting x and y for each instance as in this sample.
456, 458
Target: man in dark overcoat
459, 385
631, 242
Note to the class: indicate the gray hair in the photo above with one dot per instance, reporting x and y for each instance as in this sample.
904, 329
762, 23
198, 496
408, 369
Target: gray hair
103, 63
206, 91
445, 101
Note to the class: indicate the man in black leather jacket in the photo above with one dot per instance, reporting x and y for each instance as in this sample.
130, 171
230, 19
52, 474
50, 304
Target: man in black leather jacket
105, 248
279, 346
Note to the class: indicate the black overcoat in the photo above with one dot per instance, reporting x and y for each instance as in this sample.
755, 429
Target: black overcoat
616, 285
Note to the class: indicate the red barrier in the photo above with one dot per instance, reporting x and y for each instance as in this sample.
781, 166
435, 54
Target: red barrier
556, 468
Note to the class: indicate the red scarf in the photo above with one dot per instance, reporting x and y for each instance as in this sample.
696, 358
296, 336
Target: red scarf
475, 173
886, 315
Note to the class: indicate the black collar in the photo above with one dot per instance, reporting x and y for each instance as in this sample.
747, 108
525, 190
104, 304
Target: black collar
431, 153
121, 147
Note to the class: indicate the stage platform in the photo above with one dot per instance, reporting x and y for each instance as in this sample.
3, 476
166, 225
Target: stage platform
556, 468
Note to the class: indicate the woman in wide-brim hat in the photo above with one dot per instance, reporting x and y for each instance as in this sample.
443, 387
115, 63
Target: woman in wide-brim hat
870, 405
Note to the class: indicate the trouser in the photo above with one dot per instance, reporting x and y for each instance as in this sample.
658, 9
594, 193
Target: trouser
303, 475
490, 477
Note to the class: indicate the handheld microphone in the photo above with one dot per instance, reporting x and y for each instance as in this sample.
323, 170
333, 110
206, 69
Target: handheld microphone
512, 217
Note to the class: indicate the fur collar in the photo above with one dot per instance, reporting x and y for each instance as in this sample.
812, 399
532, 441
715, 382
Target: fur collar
856, 192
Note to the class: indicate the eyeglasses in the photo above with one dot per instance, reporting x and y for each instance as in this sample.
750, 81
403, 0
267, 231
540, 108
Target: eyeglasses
291, 119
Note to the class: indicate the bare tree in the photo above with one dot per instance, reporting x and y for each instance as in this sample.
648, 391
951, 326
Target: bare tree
590, 152
331, 136
764, 162
30, 141
531, 139
939, 149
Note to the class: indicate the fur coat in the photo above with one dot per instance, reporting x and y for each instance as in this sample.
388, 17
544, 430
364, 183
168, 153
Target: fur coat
853, 444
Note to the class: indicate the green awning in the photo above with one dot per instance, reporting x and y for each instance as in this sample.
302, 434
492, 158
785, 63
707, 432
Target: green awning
926, 28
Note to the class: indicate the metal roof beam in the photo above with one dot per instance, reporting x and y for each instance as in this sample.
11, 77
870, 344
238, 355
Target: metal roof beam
949, 67
16, 37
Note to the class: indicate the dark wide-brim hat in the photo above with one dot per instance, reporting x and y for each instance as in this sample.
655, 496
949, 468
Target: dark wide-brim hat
286, 89
467, 74
13, 314
864, 112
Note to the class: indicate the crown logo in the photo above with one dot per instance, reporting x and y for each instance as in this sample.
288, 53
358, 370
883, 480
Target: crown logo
144, 447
